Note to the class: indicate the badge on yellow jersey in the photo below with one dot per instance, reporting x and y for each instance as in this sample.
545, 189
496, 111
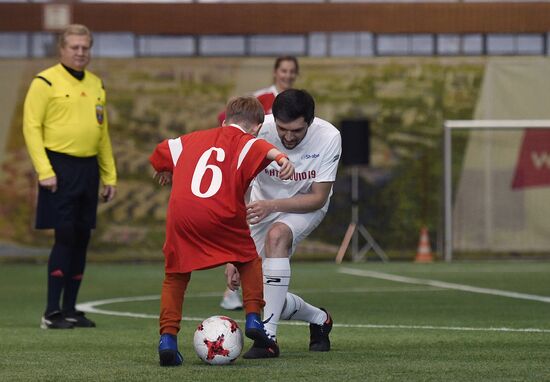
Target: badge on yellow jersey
99, 113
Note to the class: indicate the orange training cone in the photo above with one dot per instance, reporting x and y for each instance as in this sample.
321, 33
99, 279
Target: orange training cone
424, 252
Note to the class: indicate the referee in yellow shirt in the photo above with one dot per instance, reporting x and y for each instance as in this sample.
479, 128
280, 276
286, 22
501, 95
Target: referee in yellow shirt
66, 133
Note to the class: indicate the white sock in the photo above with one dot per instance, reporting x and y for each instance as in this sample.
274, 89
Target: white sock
297, 309
276, 280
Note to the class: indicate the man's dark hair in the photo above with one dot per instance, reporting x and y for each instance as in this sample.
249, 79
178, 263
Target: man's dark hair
293, 104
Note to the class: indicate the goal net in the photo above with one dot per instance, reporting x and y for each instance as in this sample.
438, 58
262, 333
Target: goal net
496, 186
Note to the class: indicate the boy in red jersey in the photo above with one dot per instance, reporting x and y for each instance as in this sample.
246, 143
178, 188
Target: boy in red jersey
206, 225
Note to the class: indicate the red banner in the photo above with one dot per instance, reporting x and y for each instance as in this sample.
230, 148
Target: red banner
533, 167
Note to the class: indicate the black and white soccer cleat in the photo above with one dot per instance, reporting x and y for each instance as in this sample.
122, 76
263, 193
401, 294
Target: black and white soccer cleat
55, 320
318, 334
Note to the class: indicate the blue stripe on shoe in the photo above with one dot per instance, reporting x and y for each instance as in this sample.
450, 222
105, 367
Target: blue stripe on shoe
168, 342
254, 321
168, 351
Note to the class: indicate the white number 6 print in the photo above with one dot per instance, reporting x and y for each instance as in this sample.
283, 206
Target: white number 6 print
200, 170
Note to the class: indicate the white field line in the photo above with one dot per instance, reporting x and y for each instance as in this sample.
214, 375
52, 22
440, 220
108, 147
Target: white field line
367, 290
91, 307
442, 284
452, 270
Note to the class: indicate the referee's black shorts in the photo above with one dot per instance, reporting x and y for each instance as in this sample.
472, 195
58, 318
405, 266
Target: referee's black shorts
75, 201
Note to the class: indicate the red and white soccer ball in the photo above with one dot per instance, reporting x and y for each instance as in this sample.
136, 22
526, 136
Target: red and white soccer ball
218, 340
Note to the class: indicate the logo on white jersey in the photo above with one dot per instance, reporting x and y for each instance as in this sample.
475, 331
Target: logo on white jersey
311, 174
309, 156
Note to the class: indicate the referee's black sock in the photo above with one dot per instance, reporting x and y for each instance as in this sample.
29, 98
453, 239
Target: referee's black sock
72, 285
58, 265
55, 286
76, 270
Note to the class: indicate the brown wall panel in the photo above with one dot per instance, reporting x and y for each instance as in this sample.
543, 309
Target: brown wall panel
20, 17
292, 18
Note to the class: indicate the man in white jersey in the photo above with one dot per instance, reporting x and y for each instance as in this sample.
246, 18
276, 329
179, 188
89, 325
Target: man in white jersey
283, 213
285, 72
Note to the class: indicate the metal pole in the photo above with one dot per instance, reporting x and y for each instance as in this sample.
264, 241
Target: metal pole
447, 163
355, 228
354, 189
355, 211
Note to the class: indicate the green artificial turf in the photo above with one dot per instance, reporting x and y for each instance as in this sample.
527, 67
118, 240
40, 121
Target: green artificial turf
384, 330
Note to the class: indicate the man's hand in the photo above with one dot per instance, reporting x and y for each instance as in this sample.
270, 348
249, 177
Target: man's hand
163, 177
108, 193
287, 169
256, 211
232, 276
49, 183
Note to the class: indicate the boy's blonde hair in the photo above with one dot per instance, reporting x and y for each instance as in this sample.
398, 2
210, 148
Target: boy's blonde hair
245, 111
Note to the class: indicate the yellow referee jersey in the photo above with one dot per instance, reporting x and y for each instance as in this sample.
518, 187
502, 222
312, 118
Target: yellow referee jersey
68, 116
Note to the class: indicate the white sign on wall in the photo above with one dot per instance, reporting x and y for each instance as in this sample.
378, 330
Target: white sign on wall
56, 16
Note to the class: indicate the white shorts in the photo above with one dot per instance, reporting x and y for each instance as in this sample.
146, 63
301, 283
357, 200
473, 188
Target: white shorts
301, 226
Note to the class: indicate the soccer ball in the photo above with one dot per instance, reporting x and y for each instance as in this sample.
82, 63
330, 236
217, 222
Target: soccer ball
218, 340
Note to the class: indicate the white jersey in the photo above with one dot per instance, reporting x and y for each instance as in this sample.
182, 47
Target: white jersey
315, 160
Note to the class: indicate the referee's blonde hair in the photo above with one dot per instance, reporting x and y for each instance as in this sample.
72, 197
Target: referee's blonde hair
74, 29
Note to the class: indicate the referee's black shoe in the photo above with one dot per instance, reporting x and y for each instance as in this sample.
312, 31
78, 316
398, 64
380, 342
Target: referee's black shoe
318, 334
78, 319
55, 320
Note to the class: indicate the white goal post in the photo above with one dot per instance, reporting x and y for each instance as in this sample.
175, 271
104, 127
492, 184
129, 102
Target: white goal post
448, 127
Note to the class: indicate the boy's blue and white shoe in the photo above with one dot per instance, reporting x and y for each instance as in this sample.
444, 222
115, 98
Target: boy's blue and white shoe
264, 346
168, 351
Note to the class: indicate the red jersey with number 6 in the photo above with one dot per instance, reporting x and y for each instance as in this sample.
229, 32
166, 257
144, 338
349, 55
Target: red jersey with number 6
206, 219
